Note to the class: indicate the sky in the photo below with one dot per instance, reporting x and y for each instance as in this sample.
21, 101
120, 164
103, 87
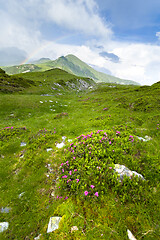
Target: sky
121, 37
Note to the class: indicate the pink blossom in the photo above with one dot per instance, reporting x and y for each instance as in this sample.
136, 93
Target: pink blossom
96, 194
110, 142
86, 193
110, 167
61, 164
77, 180
62, 170
68, 180
75, 170
74, 158
92, 186
70, 172
66, 198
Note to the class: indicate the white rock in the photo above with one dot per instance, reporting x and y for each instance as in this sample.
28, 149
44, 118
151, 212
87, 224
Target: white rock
124, 171
38, 237
145, 139
74, 228
23, 144
60, 145
4, 226
21, 194
53, 224
49, 149
130, 235
63, 138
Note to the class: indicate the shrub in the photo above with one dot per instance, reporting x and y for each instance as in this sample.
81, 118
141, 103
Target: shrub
87, 169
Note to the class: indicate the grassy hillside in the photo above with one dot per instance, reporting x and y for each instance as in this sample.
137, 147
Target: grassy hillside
10, 84
71, 64
32, 166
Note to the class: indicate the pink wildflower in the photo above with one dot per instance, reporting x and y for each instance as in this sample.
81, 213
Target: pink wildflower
86, 193
92, 186
110, 167
62, 170
75, 170
77, 180
96, 194
110, 142
70, 172
74, 158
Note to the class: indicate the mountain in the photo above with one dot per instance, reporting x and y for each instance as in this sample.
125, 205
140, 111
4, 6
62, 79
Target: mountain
73, 65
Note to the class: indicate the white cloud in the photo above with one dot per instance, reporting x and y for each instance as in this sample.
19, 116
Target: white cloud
78, 15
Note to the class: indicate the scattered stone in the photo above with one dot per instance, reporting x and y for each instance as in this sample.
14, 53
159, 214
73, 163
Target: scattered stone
64, 138
145, 139
21, 194
38, 237
60, 145
23, 144
53, 224
4, 226
124, 171
130, 235
74, 228
5, 210
49, 149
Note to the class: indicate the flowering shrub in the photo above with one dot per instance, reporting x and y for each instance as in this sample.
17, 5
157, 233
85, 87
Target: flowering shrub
88, 166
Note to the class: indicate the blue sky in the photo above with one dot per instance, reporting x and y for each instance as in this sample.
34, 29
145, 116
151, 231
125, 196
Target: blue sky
86, 28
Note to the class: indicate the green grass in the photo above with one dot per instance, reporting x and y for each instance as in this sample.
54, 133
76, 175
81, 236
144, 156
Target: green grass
131, 110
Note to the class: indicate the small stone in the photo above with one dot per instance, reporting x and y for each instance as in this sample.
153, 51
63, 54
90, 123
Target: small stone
4, 226
130, 235
60, 145
5, 210
38, 237
53, 224
23, 144
21, 194
74, 228
49, 149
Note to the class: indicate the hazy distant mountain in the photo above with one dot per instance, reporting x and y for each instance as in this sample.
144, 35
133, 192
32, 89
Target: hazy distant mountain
110, 56
41, 60
71, 64
11, 56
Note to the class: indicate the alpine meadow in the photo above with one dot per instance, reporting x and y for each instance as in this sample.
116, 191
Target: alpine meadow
78, 152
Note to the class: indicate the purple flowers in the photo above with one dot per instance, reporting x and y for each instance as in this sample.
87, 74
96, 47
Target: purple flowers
86, 193
96, 194
65, 176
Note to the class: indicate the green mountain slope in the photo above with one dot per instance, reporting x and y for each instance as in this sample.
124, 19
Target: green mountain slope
71, 64
56, 80
74, 65
10, 84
